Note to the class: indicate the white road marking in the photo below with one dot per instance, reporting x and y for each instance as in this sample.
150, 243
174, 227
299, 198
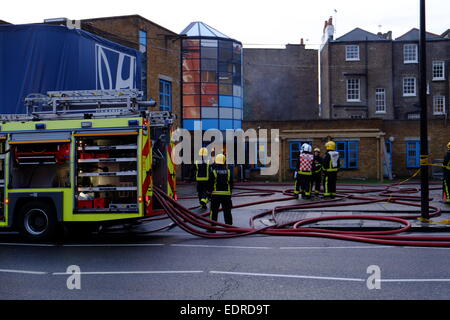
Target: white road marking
223, 247
324, 278
116, 245
287, 276
127, 272
28, 244
414, 280
23, 271
341, 247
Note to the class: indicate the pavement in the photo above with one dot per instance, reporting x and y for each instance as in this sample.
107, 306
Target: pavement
439, 223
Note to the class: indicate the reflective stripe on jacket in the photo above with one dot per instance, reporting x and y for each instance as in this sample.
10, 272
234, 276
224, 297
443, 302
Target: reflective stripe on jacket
221, 182
202, 171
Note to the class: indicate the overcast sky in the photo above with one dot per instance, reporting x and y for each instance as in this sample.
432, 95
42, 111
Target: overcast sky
260, 23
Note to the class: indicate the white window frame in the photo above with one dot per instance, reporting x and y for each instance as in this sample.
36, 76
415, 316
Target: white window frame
441, 66
356, 95
380, 100
439, 105
351, 54
409, 94
408, 52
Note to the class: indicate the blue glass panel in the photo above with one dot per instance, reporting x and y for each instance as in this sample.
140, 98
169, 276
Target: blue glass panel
226, 124
210, 124
237, 124
237, 102
189, 124
225, 101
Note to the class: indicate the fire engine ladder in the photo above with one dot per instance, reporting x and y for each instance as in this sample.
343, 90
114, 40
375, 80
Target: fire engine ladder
86, 103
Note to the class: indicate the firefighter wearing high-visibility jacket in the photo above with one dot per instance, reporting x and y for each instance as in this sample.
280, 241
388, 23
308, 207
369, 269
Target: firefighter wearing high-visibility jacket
446, 182
317, 172
221, 188
330, 169
303, 172
201, 174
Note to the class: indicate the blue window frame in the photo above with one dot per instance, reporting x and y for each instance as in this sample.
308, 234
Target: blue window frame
165, 95
348, 154
143, 50
142, 41
413, 154
294, 152
388, 145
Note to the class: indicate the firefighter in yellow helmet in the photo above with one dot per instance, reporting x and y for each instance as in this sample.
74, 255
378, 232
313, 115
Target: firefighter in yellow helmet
317, 172
221, 188
330, 169
201, 173
446, 180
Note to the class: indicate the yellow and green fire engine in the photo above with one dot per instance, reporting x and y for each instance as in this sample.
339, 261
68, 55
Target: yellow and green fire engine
83, 158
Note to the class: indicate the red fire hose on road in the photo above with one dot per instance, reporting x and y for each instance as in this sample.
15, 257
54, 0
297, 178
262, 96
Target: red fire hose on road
199, 225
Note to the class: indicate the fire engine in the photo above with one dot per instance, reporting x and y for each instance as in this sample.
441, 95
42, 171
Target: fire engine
80, 157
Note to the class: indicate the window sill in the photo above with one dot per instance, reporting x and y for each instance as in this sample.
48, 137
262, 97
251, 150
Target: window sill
380, 112
353, 100
409, 95
350, 60
410, 62
438, 79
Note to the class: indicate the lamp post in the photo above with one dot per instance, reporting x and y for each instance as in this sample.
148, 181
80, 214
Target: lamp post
423, 115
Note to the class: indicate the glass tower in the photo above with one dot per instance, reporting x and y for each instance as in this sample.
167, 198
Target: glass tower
212, 79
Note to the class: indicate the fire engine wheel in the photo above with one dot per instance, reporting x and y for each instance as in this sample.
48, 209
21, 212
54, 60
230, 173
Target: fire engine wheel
37, 221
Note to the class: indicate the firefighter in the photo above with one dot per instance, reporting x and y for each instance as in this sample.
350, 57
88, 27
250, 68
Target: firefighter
446, 180
201, 174
303, 172
317, 172
330, 168
221, 187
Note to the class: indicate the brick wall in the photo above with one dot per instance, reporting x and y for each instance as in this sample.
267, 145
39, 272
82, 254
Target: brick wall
367, 133
281, 84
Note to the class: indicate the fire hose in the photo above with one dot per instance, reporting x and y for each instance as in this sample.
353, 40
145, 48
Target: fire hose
200, 225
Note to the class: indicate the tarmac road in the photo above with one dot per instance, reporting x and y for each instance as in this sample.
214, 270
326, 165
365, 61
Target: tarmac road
174, 265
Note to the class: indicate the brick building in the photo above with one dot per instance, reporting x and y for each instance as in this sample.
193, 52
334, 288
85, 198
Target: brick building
371, 76
161, 50
369, 148
281, 84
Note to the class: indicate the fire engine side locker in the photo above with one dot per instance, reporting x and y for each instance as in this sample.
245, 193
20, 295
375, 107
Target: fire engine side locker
77, 215
14, 194
3, 177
